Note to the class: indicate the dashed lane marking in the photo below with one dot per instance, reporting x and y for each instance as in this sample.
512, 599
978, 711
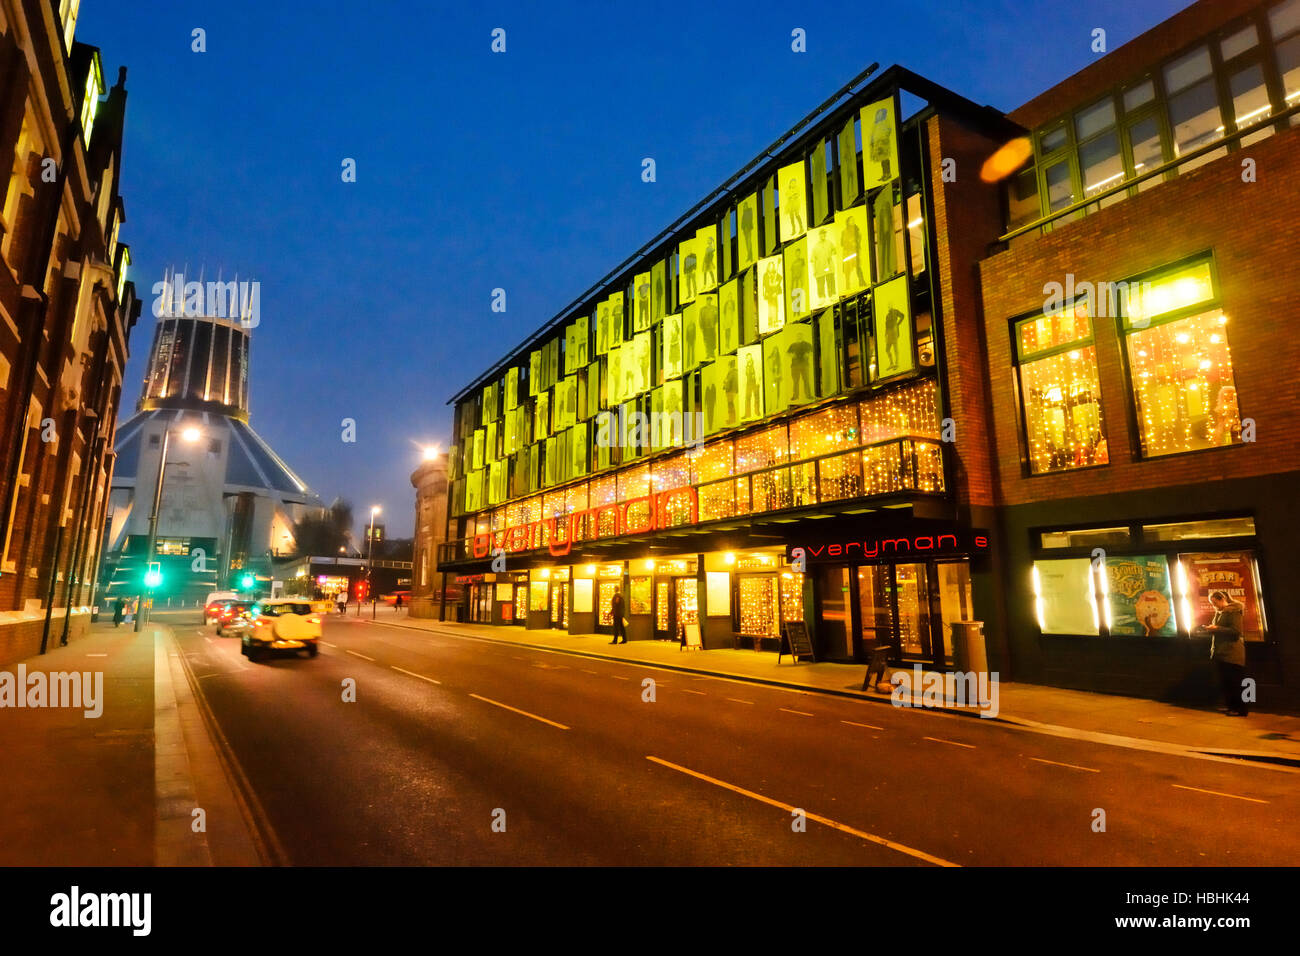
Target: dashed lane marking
687, 690
1217, 793
737, 700
414, 674
825, 821
940, 740
854, 723
801, 713
497, 703
328, 644
357, 654
96, 655
1072, 766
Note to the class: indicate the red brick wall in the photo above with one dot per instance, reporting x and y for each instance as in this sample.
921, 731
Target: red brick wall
967, 213
1132, 59
1254, 231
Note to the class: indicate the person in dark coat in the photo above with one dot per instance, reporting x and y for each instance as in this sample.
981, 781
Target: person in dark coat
1228, 651
616, 609
119, 611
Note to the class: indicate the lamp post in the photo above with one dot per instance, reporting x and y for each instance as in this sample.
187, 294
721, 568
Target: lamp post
189, 434
370, 562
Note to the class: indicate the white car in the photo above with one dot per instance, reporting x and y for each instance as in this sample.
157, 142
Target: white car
212, 606
280, 624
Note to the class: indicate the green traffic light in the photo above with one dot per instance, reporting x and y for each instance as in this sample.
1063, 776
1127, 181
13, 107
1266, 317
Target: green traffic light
153, 578
247, 582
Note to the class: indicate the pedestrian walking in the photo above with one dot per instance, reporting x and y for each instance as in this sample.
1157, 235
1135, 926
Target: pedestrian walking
341, 599
398, 603
616, 609
1228, 651
119, 612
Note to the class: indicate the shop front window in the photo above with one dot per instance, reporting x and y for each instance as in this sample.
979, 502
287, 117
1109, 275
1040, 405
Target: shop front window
1183, 385
759, 608
606, 602
1060, 392
1065, 596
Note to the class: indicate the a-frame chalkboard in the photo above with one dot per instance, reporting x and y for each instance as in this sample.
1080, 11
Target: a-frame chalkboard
796, 642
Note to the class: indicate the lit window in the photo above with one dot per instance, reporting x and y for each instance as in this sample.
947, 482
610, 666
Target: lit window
1193, 105
90, 102
68, 15
1065, 596
1060, 392
1181, 367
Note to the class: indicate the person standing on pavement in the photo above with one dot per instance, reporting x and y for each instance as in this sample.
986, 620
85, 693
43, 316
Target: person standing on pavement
342, 600
119, 611
398, 603
1228, 651
616, 609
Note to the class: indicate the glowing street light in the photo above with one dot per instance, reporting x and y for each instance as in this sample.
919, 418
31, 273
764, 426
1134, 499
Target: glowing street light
430, 452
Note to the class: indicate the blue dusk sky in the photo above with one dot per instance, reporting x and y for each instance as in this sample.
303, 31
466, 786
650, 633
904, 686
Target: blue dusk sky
478, 170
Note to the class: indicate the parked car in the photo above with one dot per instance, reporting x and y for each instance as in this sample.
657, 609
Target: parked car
212, 606
230, 614
280, 625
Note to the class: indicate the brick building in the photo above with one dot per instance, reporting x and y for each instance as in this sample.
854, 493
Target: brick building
68, 310
1052, 400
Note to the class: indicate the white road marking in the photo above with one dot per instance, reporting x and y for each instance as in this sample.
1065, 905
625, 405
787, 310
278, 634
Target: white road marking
209, 640
619, 677
597, 673
854, 723
687, 690
825, 821
801, 713
414, 674
356, 654
497, 703
1072, 766
1218, 793
328, 644
737, 700
96, 655
940, 740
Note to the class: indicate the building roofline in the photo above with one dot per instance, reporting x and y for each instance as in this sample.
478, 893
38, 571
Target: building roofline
828, 115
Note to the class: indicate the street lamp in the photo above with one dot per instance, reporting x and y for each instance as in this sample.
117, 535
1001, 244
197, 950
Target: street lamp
370, 563
189, 435
430, 452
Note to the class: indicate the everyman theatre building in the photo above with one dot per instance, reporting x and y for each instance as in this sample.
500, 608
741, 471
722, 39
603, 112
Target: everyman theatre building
844, 391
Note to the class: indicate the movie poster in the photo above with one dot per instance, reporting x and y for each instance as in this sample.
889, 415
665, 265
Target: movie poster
690, 337
637, 369
851, 232
1141, 600
720, 392
706, 247
602, 328
796, 280
729, 330
879, 143
672, 339
512, 388
747, 233
1232, 572
771, 295
824, 257
706, 349
575, 346
658, 301
688, 271
552, 353
749, 363
490, 402
793, 200
893, 326
641, 302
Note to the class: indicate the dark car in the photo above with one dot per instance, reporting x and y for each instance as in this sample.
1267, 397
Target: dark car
231, 613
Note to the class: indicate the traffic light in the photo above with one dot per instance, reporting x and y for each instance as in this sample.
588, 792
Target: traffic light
246, 582
153, 576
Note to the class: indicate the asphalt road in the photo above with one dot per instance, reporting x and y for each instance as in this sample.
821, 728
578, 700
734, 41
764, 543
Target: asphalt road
450, 734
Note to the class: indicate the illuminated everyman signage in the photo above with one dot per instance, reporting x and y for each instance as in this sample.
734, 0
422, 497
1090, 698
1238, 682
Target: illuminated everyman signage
917, 545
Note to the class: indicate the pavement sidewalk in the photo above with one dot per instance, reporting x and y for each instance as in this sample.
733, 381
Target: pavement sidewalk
1106, 718
120, 788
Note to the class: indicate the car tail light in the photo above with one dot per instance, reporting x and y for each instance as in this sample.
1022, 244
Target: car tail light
314, 620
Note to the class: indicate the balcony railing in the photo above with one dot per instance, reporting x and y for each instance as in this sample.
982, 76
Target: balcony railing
891, 467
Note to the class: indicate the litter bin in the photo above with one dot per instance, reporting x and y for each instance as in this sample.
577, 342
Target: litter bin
968, 650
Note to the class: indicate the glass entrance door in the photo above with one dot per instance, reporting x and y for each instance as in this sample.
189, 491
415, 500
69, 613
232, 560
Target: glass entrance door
911, 588
875, 607
664, 611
